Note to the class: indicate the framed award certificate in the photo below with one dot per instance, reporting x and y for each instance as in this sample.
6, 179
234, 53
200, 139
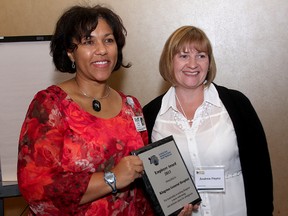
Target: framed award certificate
166, 178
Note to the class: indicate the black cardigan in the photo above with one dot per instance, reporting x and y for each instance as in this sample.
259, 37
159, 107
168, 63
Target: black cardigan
252, 144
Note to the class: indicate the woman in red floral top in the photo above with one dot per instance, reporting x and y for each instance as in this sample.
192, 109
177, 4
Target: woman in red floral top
76, 131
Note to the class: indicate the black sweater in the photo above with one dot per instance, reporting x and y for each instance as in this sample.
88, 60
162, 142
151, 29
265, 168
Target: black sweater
252, 144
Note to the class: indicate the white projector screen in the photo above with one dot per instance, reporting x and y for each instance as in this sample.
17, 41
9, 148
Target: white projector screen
26, 67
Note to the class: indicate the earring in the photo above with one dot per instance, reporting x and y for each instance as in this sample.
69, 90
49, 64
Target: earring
73, 65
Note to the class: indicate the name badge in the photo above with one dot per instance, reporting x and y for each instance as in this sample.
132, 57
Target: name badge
139, 123
210, 179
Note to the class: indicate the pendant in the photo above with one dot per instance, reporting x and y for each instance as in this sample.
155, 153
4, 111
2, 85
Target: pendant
96, 105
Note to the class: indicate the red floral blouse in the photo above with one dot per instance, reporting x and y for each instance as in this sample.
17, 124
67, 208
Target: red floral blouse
61, 145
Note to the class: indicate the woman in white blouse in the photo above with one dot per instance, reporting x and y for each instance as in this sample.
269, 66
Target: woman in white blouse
216, 130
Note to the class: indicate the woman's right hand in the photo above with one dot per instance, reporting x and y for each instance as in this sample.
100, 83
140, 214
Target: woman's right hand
187, 210
127, 170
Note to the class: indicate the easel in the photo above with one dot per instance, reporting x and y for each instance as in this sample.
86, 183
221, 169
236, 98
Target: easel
7, 189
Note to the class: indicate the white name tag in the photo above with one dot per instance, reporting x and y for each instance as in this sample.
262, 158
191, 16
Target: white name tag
139, 123
210, 179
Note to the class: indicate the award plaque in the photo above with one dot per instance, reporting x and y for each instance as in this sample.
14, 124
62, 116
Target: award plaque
166, 178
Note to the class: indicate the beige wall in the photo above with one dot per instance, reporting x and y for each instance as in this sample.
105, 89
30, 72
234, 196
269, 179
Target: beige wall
250, 46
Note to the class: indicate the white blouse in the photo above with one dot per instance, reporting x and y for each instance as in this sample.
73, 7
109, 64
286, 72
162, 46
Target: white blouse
209, 142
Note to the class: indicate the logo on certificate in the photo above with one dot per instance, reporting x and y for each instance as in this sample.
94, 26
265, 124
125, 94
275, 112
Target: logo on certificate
154, 160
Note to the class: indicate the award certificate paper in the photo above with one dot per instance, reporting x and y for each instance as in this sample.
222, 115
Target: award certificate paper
166, 178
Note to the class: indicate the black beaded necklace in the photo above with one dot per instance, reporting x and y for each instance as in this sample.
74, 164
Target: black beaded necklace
96, 105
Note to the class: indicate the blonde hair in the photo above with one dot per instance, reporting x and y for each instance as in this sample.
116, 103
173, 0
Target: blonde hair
177, 42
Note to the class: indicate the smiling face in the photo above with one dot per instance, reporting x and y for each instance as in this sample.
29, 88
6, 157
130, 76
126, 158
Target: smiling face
96, 55
190, 67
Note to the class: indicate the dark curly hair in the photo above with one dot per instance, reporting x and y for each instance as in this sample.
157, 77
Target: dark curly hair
78, 22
